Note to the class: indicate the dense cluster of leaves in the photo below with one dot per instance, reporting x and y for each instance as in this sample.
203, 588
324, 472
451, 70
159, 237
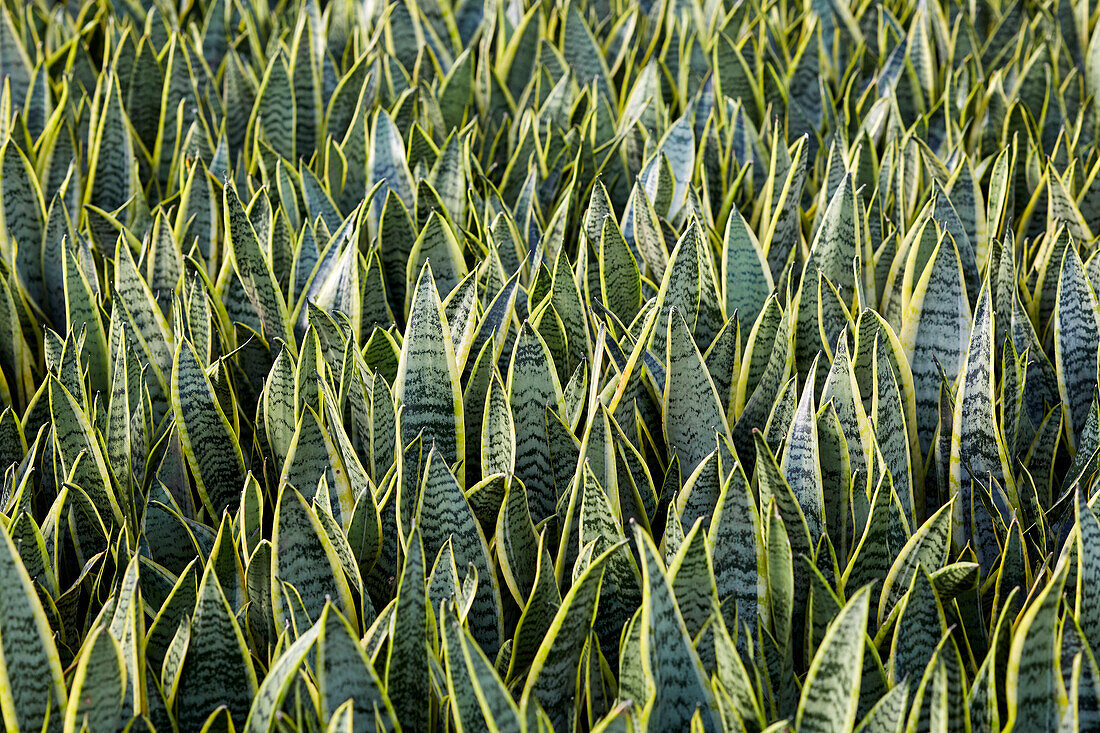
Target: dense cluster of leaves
530, 366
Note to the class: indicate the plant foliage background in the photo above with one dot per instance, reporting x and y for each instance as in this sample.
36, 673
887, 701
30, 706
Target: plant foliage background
517, 366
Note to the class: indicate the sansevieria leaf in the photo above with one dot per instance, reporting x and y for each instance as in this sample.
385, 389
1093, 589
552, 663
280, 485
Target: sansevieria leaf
408, 664
936, 325
693, 412
532, 387
977, 442
215, 650
345, 674
1076, 339
209, 443
1035, 695
254, 269
98, 686
831, 693
554, 675
667, 653
427, 386
34, 694
303, 556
